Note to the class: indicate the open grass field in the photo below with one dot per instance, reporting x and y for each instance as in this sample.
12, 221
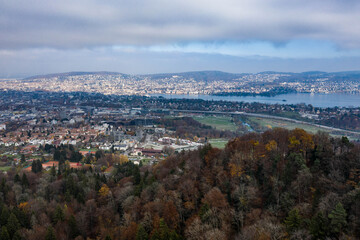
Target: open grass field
91, 149
218, 142
12, 156
5, 168
273, 123
145, 161
219, 122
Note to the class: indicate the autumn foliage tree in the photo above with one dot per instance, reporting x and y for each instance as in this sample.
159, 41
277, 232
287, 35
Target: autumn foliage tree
281, 184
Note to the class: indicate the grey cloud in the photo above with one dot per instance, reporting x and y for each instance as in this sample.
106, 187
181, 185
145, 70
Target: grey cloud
92, 23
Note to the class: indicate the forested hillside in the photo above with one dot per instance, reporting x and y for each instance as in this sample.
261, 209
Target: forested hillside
277, 185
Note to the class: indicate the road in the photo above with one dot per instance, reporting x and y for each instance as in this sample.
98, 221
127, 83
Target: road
270, 117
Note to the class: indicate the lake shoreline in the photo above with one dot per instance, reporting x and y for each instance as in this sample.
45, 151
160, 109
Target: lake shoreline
323, 100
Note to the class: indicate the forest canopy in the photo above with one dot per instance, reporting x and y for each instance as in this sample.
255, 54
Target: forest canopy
280, 184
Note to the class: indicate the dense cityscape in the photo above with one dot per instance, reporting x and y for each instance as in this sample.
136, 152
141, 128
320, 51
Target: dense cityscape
144, 129
73, 161
190, 83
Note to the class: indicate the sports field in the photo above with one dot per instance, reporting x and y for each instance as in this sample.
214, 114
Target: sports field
219, 122
218, 142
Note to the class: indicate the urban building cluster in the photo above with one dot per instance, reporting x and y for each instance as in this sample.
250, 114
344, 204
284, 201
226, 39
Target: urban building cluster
121, 84
144, 129
128, 132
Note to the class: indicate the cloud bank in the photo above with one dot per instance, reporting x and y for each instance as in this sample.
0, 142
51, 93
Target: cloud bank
149, 36
68, 24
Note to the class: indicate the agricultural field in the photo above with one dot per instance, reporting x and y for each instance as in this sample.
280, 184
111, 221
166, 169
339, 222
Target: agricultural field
223, 123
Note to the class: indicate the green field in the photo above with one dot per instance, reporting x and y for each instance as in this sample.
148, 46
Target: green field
12, 156
266, 123
219, 122
5, 168
218, 142
91, 149
145, 161
274, 123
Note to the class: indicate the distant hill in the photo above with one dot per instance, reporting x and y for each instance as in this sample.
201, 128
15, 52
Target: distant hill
210, 76
67, 74
199, 75
330, 74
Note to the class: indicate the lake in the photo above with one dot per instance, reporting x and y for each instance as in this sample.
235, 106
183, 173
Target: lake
317, 99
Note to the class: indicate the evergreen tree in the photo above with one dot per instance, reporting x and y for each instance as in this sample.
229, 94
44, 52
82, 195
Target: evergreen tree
67, 196
318, 226
39, 165
12, 225
58, 214
17, 178
295, 163
4, 216
17, 236
24, 181
48, 147
70, 185
59, 170
53, 171
141, 233
22, 216
50, 234
99, 154
136, 174
337, 219
4, 235
62, 158
80, 196
47, 193
164, 232
3, 187
57, 155
36, 166
23, 158
293, 221
97, 184
74, 230
75, 157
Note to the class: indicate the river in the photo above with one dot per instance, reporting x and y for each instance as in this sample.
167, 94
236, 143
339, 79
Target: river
317, 99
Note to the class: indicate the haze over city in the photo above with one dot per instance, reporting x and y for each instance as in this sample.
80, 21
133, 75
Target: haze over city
136, 37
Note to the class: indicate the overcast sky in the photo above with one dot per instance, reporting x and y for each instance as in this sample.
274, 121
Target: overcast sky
152, 36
